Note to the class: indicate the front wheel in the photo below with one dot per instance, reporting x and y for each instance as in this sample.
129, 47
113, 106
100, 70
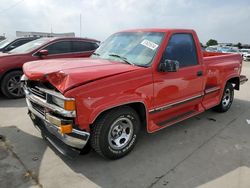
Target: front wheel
115, 133
227, 99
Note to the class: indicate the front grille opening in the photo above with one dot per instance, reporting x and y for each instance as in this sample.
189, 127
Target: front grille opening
40, 109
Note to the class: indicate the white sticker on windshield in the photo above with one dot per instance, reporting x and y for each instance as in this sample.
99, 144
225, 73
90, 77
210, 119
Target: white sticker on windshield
149, 44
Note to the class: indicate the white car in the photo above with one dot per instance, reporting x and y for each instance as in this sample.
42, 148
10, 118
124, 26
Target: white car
230, 50
212, 48
246, 57
245, 54
244, 51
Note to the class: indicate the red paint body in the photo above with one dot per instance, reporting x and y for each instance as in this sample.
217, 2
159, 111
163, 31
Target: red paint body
98, 85
10, 62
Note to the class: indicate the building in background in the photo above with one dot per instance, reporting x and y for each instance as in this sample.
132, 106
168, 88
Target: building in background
42, 34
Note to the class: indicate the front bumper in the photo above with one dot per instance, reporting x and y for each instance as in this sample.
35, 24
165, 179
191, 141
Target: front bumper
68, 144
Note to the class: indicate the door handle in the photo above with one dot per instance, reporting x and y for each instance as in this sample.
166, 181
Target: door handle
199, 73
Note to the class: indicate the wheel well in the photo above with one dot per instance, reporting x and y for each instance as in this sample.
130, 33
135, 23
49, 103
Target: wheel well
139, 107
141, 110
16, 69
236, 82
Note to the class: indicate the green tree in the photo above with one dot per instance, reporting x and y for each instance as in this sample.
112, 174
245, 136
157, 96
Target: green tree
239, 45
212, 42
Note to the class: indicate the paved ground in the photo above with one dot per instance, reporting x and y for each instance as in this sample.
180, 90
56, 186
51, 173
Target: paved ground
210, 150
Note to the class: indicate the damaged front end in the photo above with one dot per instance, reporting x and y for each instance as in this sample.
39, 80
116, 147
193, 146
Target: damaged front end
54, 115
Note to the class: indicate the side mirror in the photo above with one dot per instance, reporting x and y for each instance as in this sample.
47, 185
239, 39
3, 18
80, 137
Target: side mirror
42, 53
169, 66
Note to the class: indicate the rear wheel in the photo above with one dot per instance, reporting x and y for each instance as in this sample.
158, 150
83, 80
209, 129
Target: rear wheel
114, 134
227, 99
11, 85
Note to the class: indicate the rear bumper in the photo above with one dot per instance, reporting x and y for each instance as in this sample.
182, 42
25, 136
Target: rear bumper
243, 79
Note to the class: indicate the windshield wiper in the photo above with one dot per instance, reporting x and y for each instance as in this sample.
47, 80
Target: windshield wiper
124, 59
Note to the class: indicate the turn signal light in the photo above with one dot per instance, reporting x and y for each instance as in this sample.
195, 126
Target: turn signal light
66, 128
69, 105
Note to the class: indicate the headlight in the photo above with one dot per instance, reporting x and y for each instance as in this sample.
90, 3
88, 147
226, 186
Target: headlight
57, 101
65, 104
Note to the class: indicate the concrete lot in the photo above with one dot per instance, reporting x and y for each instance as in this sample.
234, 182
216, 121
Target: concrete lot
210, 150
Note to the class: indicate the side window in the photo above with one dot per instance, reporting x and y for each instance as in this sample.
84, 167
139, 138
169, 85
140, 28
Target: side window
18, 43
59, 47
15, 44
81, 46
181, 47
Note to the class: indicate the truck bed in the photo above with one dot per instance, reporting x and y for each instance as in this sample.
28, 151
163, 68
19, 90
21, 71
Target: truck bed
222, 64
219, 67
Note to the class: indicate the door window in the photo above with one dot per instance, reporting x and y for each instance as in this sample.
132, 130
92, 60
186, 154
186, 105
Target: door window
59, 47
181, 47
82, 46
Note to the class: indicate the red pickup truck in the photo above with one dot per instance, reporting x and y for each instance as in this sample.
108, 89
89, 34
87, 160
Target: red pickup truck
150, 78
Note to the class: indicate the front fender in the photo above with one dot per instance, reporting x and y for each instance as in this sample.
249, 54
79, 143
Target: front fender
112, 105
96, 97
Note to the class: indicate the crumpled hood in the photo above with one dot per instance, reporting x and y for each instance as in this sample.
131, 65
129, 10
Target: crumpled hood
65, 74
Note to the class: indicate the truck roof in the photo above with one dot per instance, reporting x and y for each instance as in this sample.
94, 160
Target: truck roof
159, 30
71, 38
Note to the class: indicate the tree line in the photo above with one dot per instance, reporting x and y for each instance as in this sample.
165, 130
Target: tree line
213, 42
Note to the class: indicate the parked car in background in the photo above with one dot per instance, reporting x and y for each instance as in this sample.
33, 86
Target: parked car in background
245, 54
212, 48
223, 49
246, 57
244, 51
10, 44
229, 50
44, 48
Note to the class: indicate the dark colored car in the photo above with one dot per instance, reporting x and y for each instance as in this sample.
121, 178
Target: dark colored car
44, 48
10, 44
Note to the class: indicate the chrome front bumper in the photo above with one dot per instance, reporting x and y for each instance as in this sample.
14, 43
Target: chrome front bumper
75, 140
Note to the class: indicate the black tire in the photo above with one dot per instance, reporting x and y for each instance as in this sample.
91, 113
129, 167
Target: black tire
226, 100
12, 80
87, 148
107, 138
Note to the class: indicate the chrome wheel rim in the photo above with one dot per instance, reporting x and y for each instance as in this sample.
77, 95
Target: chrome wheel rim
120, 133
14, 86
226, 98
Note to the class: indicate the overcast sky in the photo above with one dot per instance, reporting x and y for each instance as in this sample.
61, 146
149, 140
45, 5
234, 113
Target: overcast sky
224, 20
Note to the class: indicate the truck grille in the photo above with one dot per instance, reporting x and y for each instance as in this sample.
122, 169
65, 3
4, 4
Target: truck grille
35, 91
33, 88
39, 98
38, 108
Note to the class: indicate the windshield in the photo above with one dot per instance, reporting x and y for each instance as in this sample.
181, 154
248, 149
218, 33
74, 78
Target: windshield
5, 42
30, 46
138, 48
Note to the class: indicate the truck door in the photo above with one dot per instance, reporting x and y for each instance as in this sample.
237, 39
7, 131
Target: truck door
178, 94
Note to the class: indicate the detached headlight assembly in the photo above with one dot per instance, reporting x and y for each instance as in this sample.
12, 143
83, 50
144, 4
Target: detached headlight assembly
64, 103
